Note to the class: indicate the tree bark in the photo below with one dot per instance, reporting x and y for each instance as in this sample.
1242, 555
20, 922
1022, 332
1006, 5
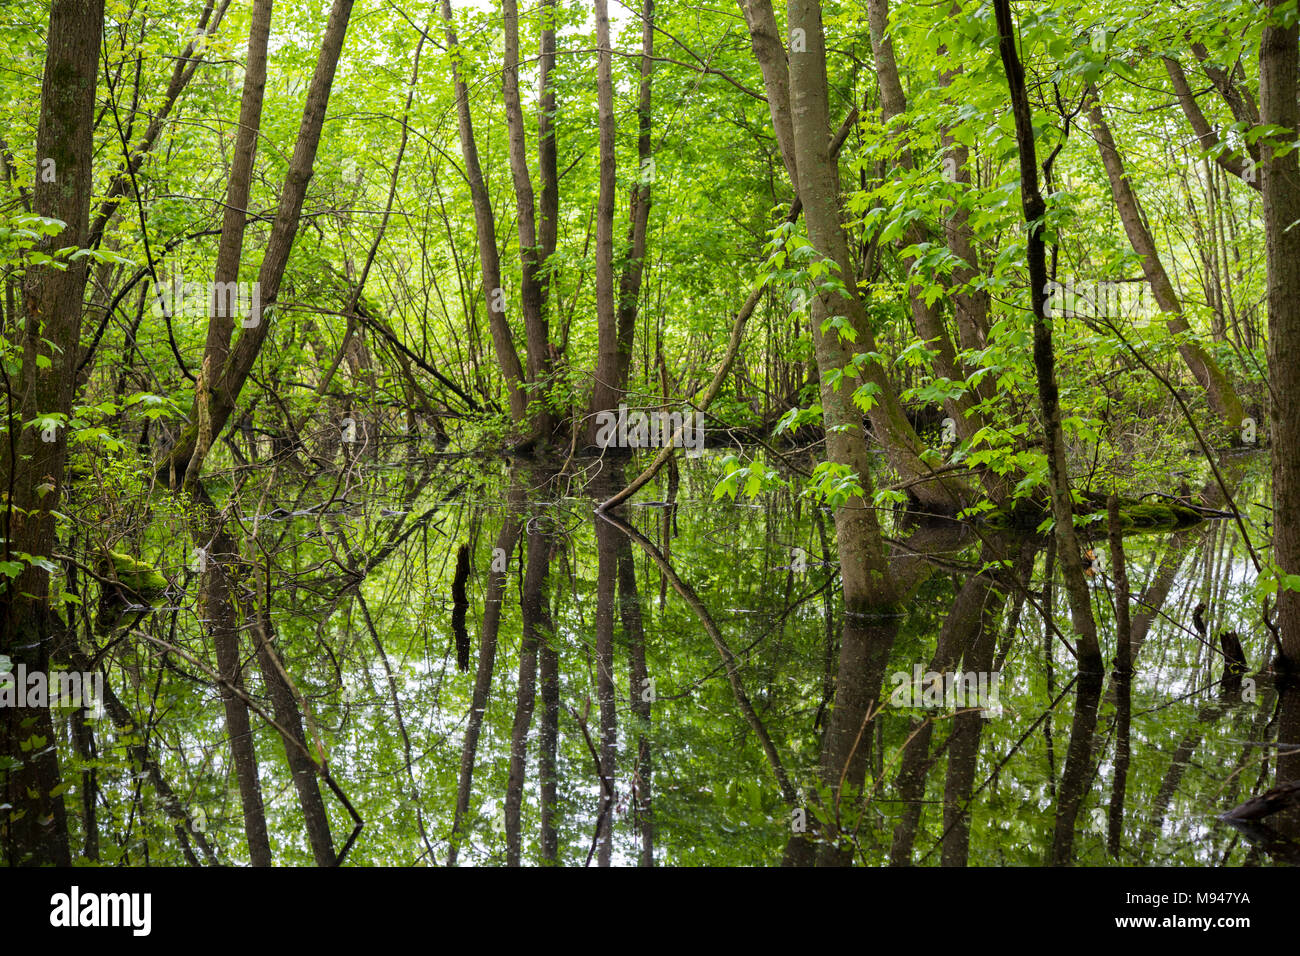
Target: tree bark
1123, 680
1233, 91
810, 130
629, 284
869, 626
1280, 182
305, 776
547, 750
34, 828
221, 323
967, 728
1208, 137
607, 548
607, 390
769, 50
533, 288
961, 628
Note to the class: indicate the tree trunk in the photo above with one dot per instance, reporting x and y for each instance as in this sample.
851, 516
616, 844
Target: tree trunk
1044, 359
1223, 398
961, 628
809, 112
927, 317
629, 285
1208, 137
221, 322
1123, 680
769, 50
607, 548
964, 741
227, 381
547, 749
869, 626
34, 827
1280, 181
533, 289
607, 390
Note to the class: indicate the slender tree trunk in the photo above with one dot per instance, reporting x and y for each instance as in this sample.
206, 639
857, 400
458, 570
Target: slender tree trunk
1223, 398
1070, 793
607, 390
547, 153
964, 741
1205, 134
1044, 358
769, 50
547, 749
485, 228
629, 285
607, 547
227, 381
1234, 93
927, 317
961, 628
1088, 693
810, 133
533, 290
216, 588
970, 305
548, 655
221, 322
83, 737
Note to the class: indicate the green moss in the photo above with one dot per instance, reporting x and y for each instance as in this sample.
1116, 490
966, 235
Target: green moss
1157, 516
140, 586
1135, 517
139, 576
